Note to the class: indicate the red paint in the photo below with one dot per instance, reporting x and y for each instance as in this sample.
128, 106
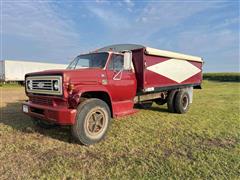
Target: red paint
122, 108
60, 115
121, 92
152, 79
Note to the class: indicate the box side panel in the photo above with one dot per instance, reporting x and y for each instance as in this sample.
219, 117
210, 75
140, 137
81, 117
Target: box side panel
163, 72
137, 56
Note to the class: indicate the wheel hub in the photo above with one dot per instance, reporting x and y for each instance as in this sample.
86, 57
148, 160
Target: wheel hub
95, 122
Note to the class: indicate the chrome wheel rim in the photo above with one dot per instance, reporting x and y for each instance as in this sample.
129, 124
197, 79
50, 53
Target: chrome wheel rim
95, 123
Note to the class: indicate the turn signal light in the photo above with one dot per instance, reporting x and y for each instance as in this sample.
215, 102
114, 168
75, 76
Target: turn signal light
70, 87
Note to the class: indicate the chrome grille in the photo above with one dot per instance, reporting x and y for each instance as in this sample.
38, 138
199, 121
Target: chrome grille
44, 85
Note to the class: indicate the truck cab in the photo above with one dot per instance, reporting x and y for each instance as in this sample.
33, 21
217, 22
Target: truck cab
102, 85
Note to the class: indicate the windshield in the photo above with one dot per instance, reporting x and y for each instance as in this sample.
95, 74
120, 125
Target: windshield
94, 60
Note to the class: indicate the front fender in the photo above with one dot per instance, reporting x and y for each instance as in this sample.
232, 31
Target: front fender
75, 97
91, 88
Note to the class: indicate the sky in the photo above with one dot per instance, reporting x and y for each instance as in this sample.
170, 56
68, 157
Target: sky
57, 31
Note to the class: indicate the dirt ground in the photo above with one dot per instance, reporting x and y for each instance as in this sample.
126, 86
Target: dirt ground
10, 104
9, 95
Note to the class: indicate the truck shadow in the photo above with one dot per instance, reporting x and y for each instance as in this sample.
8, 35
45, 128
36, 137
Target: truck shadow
158, 108
11, 115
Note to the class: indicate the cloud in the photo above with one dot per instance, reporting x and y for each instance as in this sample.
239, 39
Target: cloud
206, 42
208, 29
130, 4
198, 28
41, 23
172, 12
102, 1
160, 16
141, 24
219, 49
109, 17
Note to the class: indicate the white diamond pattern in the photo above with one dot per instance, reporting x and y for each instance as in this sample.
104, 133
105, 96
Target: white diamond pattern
175, 69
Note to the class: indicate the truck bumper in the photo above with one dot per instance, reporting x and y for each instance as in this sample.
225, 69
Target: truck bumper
58, 115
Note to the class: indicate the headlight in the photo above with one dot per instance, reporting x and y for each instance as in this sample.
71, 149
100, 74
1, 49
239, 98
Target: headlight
55, 85
29, 84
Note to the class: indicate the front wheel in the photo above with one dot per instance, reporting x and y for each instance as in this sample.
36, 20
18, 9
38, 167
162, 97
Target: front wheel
92, 121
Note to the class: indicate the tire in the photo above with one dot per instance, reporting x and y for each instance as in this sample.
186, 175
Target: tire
146, 105
171, 101
92, 121
43, 124
182, 102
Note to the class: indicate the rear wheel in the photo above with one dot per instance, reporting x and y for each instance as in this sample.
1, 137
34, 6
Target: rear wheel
182, 102
92, 121
171, 101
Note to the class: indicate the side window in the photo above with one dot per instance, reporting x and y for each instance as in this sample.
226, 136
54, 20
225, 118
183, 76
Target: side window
84, 64
116, 62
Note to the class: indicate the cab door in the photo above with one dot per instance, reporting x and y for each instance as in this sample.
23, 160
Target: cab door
121, 83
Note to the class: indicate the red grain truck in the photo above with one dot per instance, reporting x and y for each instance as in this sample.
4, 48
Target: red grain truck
107, 83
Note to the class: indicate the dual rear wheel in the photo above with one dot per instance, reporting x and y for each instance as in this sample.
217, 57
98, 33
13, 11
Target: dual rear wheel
178, 101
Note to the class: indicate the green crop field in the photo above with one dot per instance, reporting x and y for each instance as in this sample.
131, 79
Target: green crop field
224, 77
152, 144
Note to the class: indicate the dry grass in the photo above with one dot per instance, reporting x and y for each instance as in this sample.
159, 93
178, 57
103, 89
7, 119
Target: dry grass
204, 143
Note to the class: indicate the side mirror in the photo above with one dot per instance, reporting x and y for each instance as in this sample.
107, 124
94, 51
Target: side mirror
127, 60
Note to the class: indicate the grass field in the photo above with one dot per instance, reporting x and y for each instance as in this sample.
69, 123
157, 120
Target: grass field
152, 144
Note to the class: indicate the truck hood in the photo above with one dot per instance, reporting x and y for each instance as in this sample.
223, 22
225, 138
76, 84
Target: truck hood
77, 76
